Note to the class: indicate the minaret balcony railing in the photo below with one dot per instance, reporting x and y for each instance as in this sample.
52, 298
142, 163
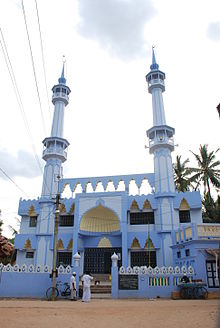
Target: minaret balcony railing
55, 153
160, 143
156, 83
55, 148
60, 96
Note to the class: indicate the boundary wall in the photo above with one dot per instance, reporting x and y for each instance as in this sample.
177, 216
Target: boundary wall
29, 281
149, 282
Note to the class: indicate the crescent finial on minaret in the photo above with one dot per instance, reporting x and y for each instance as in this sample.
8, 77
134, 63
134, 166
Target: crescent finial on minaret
62, 79
154, 65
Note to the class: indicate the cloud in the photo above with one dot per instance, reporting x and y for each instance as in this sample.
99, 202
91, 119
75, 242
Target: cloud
117, 25
213, 31
21, 165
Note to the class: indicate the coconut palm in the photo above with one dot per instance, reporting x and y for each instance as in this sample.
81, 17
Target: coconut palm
211, 209
181, 174
207, 172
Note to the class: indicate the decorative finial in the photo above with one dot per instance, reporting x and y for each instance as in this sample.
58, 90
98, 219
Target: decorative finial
154, 65
62, 79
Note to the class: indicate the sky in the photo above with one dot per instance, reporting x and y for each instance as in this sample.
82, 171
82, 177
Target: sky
107, 46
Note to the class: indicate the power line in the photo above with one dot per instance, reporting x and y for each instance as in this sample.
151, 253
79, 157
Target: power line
33, 66
19, 100
42, 54
18, 97
13, 182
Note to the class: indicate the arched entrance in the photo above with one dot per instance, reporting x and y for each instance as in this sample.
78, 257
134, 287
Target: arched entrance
98, 225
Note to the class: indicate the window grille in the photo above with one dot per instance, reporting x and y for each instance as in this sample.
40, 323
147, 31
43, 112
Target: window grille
184, 216
66, 221
33, 221
64, 258
142, 258
29, 255
141, 218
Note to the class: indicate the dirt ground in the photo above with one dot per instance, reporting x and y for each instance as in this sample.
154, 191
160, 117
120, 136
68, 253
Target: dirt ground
99, 313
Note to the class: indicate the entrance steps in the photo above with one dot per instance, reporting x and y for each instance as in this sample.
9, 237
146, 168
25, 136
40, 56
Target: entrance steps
102, 278
100, 286
101, 296
101, 289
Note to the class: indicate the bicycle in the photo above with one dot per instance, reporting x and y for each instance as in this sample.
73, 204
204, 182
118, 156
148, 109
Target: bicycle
61, 288
193, 291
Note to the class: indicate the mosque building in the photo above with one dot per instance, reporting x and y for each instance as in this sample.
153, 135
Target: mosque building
160, 228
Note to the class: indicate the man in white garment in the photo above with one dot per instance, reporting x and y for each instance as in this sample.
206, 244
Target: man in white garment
73, 287
86, 282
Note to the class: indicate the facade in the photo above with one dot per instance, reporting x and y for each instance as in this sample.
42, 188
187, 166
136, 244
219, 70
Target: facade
103, 216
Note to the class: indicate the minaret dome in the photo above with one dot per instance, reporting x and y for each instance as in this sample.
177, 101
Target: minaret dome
61, 91
155, 78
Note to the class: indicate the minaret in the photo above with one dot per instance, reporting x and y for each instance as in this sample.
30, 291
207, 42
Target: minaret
161, 142
54, 152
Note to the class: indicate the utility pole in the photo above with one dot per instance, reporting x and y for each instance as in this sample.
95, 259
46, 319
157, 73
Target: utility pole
57, 211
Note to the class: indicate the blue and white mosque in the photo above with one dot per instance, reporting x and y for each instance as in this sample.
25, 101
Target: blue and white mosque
162, 228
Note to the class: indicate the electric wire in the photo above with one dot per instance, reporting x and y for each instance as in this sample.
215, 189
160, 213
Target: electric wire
13, 182
18, 97
19, 100
42, 54
33, 66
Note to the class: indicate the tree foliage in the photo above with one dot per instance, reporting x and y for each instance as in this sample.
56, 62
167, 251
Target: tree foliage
207, 172
205, 175
182, 174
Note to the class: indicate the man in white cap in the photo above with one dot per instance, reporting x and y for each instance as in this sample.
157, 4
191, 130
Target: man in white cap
73, 287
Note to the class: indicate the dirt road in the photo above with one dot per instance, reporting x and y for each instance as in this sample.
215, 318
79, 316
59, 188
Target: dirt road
110, 314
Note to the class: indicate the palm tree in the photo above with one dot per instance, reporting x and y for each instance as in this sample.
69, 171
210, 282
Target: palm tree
14, 230
207, 172
211, 209
181, 174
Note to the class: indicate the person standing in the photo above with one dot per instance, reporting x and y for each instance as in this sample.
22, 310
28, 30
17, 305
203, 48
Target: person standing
185, 279
73, 287
86, 282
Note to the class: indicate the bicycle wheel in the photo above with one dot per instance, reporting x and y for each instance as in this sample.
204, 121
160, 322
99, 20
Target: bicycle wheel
183, 293
66, 292
49, 293
201, 293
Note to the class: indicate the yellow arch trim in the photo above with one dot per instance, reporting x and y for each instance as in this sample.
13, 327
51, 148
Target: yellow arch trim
60, 245
27, 244
135, 243
105, 242
184, 206
151, 245
31, 211
134, 205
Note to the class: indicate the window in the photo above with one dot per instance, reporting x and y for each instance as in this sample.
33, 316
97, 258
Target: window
142, 258
213, 281
161, 76
30, 255
178, 254
187, 252
141, 218
66, 221
57, 89
155, 76
63, 90
64, 258
184, 216
33, 221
